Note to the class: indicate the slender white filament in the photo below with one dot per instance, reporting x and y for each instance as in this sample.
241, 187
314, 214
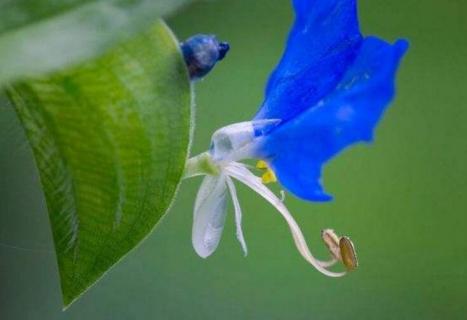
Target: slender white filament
239, 172
282, 195
238, 215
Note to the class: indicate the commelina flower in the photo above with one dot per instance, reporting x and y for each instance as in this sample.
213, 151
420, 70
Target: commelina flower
328, 92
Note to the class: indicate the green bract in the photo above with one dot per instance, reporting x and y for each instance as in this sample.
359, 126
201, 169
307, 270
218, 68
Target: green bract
110, 138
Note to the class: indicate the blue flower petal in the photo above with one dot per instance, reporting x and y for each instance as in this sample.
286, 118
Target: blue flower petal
322, 43
298, 148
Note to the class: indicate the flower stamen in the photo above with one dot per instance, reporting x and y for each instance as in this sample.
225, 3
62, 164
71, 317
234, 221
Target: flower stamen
340, 248
238, 215
261, 164
239, 172
348, 253
268, 176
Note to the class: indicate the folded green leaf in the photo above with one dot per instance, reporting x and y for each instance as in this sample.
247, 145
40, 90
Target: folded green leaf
38, 36
110, 138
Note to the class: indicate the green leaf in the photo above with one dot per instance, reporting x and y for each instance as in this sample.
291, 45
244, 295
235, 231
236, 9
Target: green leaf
110, 138
38, 36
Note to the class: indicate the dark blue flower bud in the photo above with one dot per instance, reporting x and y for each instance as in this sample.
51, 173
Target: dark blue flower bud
201, 52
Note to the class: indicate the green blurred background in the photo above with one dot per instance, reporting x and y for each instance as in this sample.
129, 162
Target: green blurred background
403, 200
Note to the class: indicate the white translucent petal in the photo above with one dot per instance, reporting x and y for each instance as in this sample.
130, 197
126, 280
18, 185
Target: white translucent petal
209, 215
238, 214
242, 174
236, 141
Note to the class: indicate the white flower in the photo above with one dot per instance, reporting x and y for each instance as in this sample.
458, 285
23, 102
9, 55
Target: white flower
221, 167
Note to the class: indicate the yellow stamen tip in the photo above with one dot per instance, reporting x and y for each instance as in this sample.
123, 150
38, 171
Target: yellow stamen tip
268, 177
261, 164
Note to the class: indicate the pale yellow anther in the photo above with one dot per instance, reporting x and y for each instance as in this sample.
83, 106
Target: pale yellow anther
261, 164
341, 248
348, 254
268, 177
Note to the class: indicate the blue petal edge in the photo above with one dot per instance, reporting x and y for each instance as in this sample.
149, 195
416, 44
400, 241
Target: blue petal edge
298, 149
321, 45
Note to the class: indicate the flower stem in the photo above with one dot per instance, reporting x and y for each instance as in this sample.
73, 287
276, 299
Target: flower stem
201, 164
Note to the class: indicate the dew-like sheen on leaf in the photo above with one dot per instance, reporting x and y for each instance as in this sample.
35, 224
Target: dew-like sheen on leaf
110, 139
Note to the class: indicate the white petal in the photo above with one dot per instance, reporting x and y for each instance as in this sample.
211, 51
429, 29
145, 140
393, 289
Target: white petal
238, 214
242, 174
209, 215
237, 141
